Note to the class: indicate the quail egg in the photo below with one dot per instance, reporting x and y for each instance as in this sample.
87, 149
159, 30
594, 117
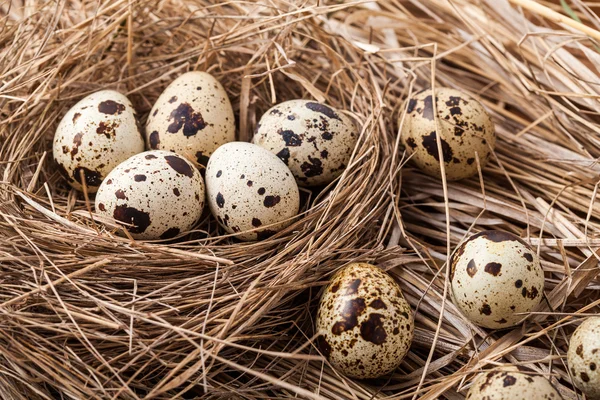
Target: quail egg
584, 357
155, 195
250, 191
192, 117
510, 384
364, 324
464, 126
314, 140
494, 276
94, 136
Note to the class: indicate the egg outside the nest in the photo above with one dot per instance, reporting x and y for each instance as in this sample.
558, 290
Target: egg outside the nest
508, 383
584, 357
250, 191
94, 136
154, 195
494, 276
314, 140
464, 128
364, 324
192, 117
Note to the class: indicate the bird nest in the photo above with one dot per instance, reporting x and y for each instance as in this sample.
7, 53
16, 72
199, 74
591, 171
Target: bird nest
87, 313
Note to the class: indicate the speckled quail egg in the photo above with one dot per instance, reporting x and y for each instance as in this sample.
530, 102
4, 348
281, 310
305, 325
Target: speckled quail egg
250, 191
94, 136
314, 140
494, 276
155, 195
364, 324
464, 126
584, 357
508, 383
192, 117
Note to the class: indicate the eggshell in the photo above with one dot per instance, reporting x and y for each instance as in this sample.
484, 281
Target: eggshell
364, 324
584, 357
159, 194
495, 275
192, 117
510, 384
314, 140
94, 136
464, 127
248, 187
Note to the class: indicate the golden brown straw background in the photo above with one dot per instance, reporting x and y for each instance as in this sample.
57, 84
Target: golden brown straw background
88, 314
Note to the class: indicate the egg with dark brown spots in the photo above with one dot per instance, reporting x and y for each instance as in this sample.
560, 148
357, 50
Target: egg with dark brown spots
250, 191
313, 139
508, 383
584, 357
154, 195
94, 136
494, 276
364, 325
465, 131
192, 117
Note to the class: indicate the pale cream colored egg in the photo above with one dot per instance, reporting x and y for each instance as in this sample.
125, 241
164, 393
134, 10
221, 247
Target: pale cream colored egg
314, 140
509, 384
464, 127
155, 195
250, 191
94, 136
494, 276
192, 117
364, 324
584, 357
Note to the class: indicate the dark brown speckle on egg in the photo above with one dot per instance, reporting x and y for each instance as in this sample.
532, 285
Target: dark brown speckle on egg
180, 165
185, 117
135, 221
429, 142
111, 107
271, 201
290, 138
220, 200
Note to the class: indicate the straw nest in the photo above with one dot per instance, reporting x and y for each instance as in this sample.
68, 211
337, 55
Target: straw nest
88, 314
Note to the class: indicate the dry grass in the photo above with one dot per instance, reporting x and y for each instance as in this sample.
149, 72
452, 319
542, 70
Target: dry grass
85, 313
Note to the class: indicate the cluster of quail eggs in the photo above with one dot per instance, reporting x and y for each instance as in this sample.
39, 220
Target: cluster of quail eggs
149, 181
364, 325
251, 188
496, 278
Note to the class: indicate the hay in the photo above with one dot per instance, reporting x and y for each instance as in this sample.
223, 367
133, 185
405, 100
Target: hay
88, 314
